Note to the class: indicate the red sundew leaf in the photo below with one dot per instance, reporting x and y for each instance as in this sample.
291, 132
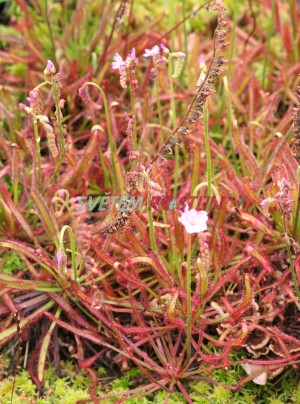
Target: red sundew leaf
33, 300
139, 248
9, 332
37, 360
104, 257
220, 249
283, 361
9, 302
45, 214
81, 332
284, 336
93, 386
16, 283
246, 301
238, 341
85, 162
271, 109
245, 152
276, 149
184, 392
256, 199
287, 39
14, 210
145, 389
120, 174
6, 113
270, 296
287, 159
225, 278
139, 330
171, 312
95, 312
235, 182
147, 362
10, 57
258, 225
211, 359
172, 305
87, 363
262, 259
80, 348
129, 277
83, 296
72, 313
142, 228
106, 13
297, 268
221, 212
177, 236
160, 269
20, 248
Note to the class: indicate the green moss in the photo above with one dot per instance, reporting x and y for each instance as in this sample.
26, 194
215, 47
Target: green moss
66, 390
221, 395
75, 385
296, 395
13, 264
121, 384
174, 398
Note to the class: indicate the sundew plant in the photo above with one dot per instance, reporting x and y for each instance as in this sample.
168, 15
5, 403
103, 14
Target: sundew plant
149, 196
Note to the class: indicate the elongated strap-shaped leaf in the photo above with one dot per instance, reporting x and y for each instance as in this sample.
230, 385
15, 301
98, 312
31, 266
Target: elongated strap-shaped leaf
257, 224
13, 282
72, 312
45, 213
104, 257
7, 334
81, 332
225, 278
85, 161
20, 248
264, 260
18, 215
120, 175
40, 353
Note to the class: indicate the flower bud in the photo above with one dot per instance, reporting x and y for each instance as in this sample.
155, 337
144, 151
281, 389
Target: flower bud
50, 70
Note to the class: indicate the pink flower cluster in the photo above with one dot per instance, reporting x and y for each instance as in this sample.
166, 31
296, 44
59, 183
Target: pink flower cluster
283, 199
130, 63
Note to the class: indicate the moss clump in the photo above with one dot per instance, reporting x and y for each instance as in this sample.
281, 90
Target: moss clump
75, 385
67, 390
13, 264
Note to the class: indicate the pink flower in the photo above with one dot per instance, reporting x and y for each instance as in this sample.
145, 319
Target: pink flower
179, 55
34, 103
49, 71
132, 60
164, 48
203, 70
151, 52
61, 259
202, 63
193, 221
118, 62
25, 107
50, 68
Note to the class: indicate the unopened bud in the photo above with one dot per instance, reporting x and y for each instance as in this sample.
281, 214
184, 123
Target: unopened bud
50, 70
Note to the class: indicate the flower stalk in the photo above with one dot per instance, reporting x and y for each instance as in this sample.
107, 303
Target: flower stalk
188, 296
